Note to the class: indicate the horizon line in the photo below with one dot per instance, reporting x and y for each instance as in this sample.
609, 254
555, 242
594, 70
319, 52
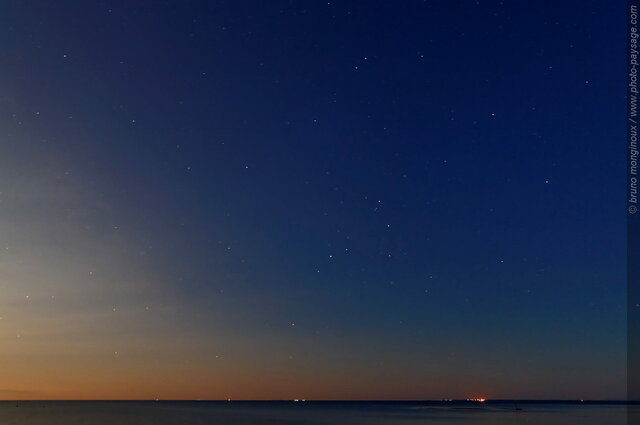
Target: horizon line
444, 400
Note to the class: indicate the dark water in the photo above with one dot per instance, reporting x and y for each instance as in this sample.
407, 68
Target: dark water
308, 413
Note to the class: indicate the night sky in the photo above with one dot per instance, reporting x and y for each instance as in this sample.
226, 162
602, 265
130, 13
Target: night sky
312, 199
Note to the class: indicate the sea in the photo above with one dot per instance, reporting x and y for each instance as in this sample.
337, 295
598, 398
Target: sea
312, 413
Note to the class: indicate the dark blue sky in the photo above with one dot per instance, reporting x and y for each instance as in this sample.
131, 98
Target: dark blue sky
343, 199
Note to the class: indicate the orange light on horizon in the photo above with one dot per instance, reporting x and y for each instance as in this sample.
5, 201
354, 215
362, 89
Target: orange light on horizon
479, 400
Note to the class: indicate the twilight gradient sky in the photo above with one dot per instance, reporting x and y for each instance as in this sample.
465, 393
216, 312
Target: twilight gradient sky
312, 199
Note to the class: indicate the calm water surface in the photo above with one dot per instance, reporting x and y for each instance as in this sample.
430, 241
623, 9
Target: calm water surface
303, 413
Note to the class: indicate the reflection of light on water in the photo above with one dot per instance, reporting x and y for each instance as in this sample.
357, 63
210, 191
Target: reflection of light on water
479, 400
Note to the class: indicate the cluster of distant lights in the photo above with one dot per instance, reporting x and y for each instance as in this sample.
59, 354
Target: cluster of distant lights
477, 400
